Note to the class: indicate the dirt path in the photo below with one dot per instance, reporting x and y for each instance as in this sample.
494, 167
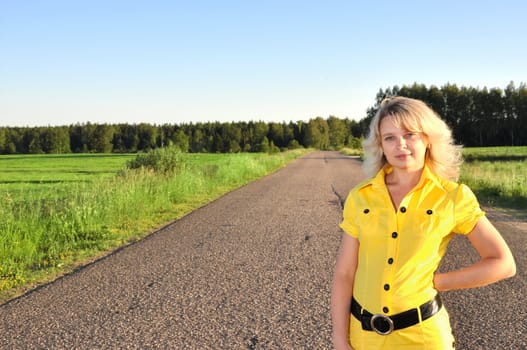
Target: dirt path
251, 270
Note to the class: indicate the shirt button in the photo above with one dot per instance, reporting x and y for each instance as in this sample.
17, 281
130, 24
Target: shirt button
366, 211
390, 261
386, 287
429, 211
394, 234
403, 210
385, 310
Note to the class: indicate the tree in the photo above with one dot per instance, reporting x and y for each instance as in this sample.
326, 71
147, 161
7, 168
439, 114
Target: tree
258, 133
317, 134
86, 137
56, 140
294, 144
510, 112
101, 140
273, 148
260, 130
130, 138
14, 141
289, 133
32, 142
75, 133
337, 132
521, 109
436, 100
3, 140
198, 141
276, 134
181, 141
147, 137
232, 136
263, 146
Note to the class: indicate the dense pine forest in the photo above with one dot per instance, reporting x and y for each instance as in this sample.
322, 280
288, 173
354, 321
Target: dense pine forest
478, 117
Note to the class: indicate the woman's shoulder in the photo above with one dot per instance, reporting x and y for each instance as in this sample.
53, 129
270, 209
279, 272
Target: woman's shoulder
445, 184
455, 190
376, 181
367, 183
448, 185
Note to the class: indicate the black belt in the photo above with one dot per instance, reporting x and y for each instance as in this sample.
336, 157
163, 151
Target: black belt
384, 325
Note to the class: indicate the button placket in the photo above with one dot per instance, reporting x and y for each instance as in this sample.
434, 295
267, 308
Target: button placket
386, 286
394, 240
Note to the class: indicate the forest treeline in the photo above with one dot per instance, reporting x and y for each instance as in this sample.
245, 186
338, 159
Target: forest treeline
211, 137
478, 117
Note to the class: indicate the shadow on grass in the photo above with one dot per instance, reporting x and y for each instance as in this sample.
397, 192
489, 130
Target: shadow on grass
491, 158
492, 198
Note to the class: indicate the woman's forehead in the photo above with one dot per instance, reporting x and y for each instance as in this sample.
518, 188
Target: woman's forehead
401, 122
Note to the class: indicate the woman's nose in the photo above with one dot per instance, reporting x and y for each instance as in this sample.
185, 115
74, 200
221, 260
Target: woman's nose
401, 142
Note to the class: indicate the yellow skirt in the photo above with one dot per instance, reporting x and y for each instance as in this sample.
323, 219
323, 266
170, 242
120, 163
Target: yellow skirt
434, 333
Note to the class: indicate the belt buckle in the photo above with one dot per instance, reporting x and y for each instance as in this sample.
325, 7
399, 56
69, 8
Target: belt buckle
384, 318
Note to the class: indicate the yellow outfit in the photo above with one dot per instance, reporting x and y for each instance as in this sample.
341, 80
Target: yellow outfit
400, 251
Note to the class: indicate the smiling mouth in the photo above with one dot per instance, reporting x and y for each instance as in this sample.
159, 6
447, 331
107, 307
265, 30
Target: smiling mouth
403, 156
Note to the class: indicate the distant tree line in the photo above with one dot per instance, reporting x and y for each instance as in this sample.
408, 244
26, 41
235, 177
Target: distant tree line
478, 117
211, 137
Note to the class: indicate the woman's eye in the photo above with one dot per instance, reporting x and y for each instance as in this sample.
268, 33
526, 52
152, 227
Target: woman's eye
388, 138
411, 135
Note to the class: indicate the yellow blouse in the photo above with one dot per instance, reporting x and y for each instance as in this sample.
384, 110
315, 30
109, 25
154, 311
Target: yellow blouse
400, 250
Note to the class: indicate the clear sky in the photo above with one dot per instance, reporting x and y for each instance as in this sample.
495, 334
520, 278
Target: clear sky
159, 61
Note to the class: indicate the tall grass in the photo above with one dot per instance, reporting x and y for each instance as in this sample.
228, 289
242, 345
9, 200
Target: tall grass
498, 175
348, 151
48, 231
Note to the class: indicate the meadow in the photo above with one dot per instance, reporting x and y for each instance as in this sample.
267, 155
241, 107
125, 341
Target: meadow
60, 211
43, 174
498, 175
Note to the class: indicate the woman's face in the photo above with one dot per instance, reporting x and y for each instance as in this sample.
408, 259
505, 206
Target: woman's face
403, 149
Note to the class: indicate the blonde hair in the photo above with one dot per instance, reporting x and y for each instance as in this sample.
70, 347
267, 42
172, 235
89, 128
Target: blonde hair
443, 157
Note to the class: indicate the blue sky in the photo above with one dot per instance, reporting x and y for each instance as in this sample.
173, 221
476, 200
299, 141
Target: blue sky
67, 62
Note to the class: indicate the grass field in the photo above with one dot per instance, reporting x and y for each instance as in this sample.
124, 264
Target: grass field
498, 175
58, 211
47, 173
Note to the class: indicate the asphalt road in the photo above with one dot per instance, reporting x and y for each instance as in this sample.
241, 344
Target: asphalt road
251, 270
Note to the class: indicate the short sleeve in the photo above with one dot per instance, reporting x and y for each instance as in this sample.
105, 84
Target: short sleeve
467, 210
348, 222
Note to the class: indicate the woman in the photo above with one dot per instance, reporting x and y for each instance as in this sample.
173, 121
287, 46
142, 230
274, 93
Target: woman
397, 226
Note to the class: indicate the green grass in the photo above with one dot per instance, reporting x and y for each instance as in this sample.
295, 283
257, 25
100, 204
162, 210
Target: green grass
351, 151
502, 153
49, 173
57, 212
498, 175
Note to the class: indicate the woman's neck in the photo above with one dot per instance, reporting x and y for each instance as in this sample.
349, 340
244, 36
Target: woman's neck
403, 179
400, 183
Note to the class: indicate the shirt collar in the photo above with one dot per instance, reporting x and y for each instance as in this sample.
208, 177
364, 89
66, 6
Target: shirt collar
378, 180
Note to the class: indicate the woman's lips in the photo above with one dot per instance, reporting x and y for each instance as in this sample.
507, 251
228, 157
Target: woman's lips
402, 156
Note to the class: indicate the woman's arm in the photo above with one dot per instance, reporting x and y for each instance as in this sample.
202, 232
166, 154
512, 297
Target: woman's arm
496, 261
342, 290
